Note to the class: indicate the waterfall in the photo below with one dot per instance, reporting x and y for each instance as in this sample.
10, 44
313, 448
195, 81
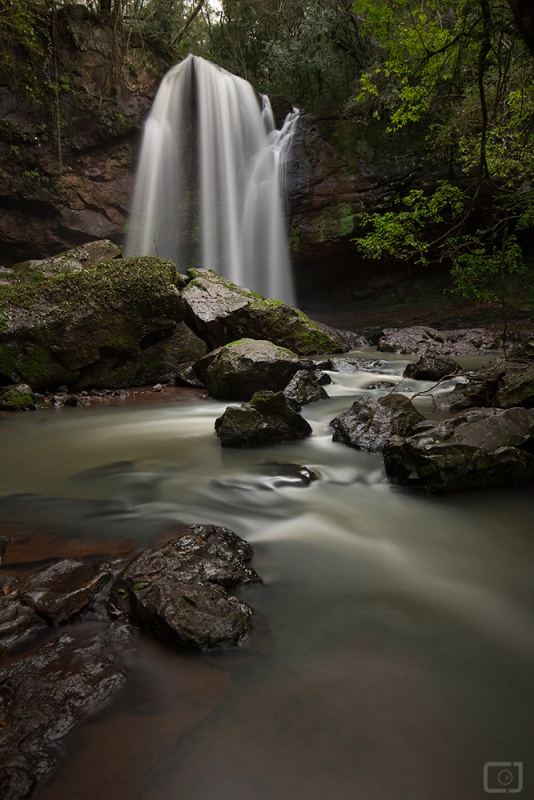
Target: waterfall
209, 184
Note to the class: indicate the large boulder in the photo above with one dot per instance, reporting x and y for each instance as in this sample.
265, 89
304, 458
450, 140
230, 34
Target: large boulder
220, 312
239, 369
432, 368
109, 325
505, 384
370, 423
476, 449
269, 418
181, 590
421, 339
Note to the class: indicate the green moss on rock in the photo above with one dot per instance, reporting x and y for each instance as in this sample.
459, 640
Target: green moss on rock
18, 397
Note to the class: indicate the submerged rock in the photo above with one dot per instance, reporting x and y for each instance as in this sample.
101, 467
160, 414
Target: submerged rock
422, 339
370, 423
268, 418
221, 311
180, 590
476, 449
238, 370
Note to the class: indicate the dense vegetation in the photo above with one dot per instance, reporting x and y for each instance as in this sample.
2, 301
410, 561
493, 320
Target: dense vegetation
457, 72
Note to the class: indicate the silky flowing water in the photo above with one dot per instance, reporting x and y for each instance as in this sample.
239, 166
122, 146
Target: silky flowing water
396, 644
209, 184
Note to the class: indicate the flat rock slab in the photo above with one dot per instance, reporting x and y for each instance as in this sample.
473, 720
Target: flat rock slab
45, 695
476, 449
181, 590
64, 591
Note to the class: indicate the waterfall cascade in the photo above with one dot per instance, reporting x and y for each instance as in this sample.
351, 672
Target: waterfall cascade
209, 184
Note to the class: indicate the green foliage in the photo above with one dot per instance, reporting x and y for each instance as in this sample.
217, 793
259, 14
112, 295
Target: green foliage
403, 234
305, 50
462, 70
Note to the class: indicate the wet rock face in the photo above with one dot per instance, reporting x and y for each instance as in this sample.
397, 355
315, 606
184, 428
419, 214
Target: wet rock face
268, 418
64, 591
422, 340
45, 695
238, 370
476, 449
181, 590
369, 423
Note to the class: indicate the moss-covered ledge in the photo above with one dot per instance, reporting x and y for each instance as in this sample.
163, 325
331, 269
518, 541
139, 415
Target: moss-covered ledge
102, 326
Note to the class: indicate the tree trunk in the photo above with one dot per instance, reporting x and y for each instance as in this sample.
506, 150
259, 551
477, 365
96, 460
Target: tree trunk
523, 11
105, 6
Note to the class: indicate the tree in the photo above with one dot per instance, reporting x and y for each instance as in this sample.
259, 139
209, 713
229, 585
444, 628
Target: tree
307, 51
523, 11
461, 70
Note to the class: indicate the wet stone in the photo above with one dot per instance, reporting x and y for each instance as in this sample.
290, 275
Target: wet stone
180, 590
45, 695
64, 591
370, 423
16, 619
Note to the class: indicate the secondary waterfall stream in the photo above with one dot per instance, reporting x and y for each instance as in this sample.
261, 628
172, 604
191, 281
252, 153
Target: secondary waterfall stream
401, 630
209, 188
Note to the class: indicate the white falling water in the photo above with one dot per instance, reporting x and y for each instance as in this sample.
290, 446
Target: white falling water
209, 185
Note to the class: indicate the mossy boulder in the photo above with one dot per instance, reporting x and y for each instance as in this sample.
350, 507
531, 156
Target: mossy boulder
220, 312
109, 325
17, 398
85, 256
239, 369
269, 418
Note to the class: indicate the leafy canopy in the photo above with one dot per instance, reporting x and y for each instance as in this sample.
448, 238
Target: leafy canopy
461, 70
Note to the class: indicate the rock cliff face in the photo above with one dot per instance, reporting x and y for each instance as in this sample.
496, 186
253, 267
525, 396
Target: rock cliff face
67, 161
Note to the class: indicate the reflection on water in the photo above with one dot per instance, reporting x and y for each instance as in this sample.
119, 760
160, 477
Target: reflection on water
401, 626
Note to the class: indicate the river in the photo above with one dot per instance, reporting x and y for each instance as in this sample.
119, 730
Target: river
396, 654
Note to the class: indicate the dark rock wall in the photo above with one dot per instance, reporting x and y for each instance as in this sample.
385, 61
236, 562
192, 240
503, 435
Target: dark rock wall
60, 191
